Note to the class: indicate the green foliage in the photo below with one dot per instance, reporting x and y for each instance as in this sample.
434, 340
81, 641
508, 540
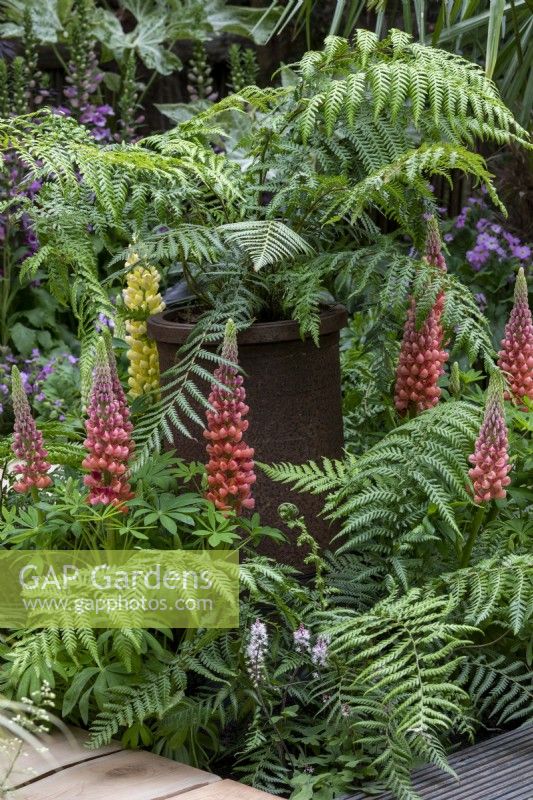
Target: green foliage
382, 497
496, 34
410, 637
360, 130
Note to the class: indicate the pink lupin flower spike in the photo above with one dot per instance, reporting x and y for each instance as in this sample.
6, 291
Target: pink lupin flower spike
230, 469
422, 356
27, 443
515, 359
108, 441
490, 460
118, 391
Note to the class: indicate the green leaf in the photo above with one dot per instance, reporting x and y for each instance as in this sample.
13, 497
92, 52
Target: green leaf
45, 19
147, 38
24, 339
497, 11
75, 689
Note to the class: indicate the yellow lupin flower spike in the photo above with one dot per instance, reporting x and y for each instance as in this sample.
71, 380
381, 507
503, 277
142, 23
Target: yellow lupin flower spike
141, 295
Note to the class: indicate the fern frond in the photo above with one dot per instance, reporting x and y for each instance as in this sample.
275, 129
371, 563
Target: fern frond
266, 242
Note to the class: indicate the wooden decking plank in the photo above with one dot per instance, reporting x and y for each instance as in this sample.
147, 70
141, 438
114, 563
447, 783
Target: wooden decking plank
61, 751
224, 790
135, 775
498, 769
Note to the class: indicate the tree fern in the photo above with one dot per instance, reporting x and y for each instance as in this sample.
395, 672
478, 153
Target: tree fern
388, 489
397, 70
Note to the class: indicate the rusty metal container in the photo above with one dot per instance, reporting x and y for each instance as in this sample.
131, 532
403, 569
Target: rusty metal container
294, 392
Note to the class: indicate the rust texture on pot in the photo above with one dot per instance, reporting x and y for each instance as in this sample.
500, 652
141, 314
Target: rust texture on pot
294, 392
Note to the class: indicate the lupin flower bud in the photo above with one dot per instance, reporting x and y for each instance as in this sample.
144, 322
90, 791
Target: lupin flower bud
141, 295
27, 443
433, 252
515, 359
116, 385
230, 470
422, 356
489, 474
108, 439
455, 380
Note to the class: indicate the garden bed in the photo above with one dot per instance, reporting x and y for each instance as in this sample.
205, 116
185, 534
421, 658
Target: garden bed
280, 530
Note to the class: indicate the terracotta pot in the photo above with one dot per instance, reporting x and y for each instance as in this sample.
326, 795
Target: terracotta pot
294, 392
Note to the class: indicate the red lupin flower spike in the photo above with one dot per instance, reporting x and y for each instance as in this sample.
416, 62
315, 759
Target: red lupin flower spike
27, 443
422, 356
515, 358
108, 439
489, 474
230, 469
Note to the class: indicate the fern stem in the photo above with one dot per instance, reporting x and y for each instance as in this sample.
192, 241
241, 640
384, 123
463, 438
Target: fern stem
472, 536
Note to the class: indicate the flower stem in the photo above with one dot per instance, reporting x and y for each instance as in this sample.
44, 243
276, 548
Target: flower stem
35, 498
472, 536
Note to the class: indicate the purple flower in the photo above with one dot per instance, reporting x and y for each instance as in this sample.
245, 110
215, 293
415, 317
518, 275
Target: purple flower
523, 252
96, 115
482, 224
104, 322
319, 653
302, 639
477, 257
101, 134
448, 237
481, 301
511, 240
460, 221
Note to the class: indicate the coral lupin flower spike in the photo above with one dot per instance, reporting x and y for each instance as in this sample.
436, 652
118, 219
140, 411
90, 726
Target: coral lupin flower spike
422, 356
490, 460
27, 443
515, 358
230, 470
108, 441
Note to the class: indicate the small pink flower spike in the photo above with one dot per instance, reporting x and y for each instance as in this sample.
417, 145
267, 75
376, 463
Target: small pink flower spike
422, 356
515, 359
230, 469
490, 460
108, 441
118, 391
27, 442
433, 251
